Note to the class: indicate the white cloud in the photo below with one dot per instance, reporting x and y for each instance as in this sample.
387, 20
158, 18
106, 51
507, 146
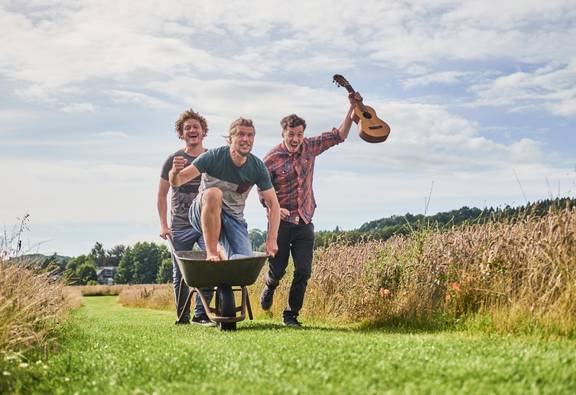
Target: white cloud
80, 78
526, 150
120, 96
223, 100
85, 192
79, 107
443, 77
112, 134
431, 32
429, 140
134, 238
515, 14
13, 116
550, 86
69, 44
349, 199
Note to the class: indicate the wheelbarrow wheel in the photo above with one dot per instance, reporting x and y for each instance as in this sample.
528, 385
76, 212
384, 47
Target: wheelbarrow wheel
226, 307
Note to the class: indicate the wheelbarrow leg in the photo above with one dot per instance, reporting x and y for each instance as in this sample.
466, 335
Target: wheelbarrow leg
205, 303
247, 300
183, 305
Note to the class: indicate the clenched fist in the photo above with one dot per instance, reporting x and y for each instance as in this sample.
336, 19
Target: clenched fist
178, 163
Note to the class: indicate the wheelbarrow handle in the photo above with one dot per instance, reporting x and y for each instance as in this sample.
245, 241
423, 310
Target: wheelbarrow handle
171, 244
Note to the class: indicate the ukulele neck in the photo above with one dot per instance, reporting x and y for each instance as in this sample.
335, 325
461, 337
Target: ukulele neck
352, 91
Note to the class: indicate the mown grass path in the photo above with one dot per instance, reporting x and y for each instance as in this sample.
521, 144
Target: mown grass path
109, 349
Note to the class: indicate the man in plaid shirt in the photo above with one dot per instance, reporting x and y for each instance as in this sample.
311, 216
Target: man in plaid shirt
291, 167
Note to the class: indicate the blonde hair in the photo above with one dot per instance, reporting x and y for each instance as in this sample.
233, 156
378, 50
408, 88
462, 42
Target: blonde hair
239, 122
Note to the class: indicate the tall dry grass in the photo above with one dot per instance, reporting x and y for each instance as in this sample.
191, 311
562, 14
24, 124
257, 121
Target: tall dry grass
31, 306
151, 296
507, 275
99, 290
516, 271
335, 288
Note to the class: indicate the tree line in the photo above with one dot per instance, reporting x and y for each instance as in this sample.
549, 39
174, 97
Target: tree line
384, 228
146, 262
142, 263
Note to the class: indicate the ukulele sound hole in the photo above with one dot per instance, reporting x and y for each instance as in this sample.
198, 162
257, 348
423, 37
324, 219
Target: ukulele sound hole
367, 115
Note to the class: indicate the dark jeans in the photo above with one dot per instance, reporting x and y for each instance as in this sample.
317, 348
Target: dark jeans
297, 240
184, 240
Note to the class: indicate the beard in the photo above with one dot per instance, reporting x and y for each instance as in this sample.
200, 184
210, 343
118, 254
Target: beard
244, 152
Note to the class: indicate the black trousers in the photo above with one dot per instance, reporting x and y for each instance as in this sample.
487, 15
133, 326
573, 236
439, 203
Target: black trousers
298, 240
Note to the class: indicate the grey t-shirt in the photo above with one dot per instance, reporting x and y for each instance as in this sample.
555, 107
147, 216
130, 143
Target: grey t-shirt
235, 182
183, 195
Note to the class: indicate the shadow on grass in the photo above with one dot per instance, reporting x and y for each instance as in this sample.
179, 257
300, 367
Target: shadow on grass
392, 327
265, 326
374, 327
397, 326
406, 327
400, 325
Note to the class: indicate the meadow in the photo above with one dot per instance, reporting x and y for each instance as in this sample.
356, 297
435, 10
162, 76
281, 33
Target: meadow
475, 308
110, 349
513, 276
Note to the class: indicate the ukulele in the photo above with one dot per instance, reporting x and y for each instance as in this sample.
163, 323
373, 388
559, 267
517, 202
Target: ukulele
370, 128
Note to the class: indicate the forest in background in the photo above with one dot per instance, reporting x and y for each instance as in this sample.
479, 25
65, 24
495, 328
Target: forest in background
148, 263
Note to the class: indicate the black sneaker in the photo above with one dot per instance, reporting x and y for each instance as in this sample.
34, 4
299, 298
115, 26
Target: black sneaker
292, 321
185, 321
203, 320
266, 298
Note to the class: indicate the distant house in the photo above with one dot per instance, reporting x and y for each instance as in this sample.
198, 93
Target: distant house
106, 274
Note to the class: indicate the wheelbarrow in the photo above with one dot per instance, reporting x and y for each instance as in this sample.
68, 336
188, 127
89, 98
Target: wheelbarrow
225, 277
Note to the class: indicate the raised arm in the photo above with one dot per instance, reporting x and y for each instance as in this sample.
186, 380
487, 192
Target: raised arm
344, 128
180, 175
271, 202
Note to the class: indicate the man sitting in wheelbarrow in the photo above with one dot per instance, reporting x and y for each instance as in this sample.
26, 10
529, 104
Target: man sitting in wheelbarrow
228, 174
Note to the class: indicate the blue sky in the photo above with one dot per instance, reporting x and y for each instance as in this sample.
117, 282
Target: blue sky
480, 96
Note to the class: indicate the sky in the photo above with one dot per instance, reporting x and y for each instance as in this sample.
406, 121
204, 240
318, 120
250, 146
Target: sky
480, 97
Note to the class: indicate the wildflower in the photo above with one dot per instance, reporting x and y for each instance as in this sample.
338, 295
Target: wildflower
456, 287
384, 293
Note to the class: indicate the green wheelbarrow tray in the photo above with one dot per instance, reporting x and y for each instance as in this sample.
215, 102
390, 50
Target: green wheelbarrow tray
225, 277
200, 273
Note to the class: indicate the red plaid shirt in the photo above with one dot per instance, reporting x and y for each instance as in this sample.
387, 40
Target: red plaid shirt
293, 173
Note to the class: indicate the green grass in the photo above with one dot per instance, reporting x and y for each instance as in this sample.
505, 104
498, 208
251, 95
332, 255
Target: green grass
109, 349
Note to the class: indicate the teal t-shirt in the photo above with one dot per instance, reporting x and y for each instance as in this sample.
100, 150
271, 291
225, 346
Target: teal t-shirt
218, 170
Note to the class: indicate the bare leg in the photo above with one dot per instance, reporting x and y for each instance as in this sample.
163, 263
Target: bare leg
211, 221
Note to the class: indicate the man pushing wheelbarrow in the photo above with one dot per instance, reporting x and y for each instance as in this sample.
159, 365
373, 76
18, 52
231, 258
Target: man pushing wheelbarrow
228, 174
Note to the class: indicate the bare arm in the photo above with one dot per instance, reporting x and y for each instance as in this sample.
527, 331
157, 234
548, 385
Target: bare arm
271, 202
344, 128
180, 175
162, 204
